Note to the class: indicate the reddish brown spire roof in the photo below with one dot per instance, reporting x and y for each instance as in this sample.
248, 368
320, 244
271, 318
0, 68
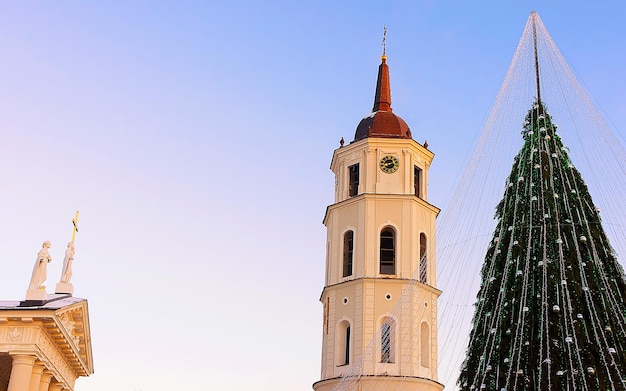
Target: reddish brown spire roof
382, 122
382, 98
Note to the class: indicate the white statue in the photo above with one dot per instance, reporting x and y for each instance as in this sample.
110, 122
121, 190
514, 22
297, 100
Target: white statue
66, 274
40, 271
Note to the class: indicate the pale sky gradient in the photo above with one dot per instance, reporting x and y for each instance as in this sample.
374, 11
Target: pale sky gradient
195, 140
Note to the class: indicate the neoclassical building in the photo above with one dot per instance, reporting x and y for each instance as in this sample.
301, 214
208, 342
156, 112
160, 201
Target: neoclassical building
45, 341
380, 296
45, 346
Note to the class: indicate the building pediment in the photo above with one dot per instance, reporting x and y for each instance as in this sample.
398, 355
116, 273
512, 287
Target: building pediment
56, 331
71, 331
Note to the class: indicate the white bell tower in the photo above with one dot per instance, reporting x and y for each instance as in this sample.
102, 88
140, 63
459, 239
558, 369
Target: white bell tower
380, 244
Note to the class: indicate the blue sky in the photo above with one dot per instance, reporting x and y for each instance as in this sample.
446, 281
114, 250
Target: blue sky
195, 139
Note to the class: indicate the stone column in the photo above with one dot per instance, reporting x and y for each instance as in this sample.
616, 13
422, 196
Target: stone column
54, 386
44, 384
35, 377
21, 372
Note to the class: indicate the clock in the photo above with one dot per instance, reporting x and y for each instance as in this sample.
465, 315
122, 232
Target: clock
389, 164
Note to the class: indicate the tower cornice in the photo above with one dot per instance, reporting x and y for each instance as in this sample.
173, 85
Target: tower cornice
375, 196
428, 288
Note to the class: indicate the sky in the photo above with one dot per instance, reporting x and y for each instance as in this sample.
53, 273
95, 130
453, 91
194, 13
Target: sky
195, 139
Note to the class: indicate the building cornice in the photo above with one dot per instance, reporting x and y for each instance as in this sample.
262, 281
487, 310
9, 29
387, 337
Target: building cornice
377, 196
354, 281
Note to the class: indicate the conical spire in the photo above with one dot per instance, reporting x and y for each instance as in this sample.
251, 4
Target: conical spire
382, 98
382, 122
551, 312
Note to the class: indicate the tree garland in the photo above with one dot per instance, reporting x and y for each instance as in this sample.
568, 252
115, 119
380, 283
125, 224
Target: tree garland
550, 311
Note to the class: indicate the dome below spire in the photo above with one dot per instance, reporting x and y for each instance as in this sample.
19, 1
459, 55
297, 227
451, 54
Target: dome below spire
382, 122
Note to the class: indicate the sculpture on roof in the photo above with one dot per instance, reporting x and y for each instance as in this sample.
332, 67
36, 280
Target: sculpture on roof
40, 271
66, 273
64, 286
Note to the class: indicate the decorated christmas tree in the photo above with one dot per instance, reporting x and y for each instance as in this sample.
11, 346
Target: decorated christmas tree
550, 312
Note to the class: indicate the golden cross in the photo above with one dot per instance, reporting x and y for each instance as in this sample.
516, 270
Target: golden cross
75, 228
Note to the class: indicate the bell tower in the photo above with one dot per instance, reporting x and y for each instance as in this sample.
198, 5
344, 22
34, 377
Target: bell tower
380, 296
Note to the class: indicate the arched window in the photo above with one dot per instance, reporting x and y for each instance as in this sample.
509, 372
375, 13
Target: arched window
423, 259
343, 343
387, 251
387, 340
353, 185
417, 181
348, 248
425, 345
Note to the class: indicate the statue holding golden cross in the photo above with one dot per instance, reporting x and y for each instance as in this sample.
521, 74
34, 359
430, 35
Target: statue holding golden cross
64, 286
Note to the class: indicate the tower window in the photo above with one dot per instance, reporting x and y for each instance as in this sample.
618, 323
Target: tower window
425, 345
417, 181
348, 249
387, 251
423, 259
353, 188
387, 338
347, 353
343, 343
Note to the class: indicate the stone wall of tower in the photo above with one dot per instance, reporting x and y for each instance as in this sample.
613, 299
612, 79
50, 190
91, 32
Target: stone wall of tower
383, 200
364, 298
363, 303
366, 215
367, 153
380, 300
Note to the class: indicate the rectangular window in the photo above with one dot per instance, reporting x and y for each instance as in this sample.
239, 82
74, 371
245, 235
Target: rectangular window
385, 342
353, 171
348, 249
417, 181
423, 259
387, 252
387, 261
347, 360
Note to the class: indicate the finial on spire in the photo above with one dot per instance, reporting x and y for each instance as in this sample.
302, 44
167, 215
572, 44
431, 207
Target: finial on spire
382, 98
384, 56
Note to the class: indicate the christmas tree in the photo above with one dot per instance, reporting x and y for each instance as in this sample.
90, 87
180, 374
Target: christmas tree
550, 312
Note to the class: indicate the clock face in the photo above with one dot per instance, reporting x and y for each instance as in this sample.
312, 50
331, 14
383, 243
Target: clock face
389, 164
